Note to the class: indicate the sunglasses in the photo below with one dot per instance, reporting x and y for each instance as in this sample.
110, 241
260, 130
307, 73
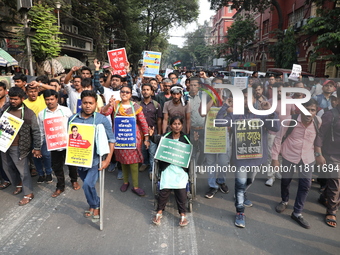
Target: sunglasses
125, 92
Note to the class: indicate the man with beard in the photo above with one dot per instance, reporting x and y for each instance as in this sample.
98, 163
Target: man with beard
258, 94
297, 149
176, 107
54, 110
153, 115
15, 161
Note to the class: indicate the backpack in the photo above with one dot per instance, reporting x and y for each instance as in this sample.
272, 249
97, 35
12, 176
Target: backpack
292, 122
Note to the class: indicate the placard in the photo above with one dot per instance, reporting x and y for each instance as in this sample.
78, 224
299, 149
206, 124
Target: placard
241, 82
215, 138
56, 133
296, 72
80, 145
117, 59
248, 137
174, 152
151, 62
125, 132
9, 128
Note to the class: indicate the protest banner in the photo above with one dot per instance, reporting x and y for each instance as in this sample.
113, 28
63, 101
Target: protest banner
174, 152
125, 132
240, 82
80, 145
151, 62
296, 72
215, 138
167, 71
9, 128
248, 137
56, 133
117, 59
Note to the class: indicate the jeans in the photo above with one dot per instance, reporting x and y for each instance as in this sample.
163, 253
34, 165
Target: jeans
149, 154
2, 172
243, 180
216, 177
44, 161
305, 182
89, 176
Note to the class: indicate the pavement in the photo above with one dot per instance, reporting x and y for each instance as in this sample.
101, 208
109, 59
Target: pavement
57, 226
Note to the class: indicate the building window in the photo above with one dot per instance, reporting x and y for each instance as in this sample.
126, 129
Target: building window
266, 26
296, 16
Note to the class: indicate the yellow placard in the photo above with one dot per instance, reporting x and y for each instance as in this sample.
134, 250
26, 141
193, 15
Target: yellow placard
215, 138
80, 145
9, 128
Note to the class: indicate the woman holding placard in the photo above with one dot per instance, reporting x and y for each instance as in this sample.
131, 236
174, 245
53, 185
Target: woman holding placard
172, 176
129, 124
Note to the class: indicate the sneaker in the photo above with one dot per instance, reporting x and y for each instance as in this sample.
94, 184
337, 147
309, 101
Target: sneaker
143, 167
247, 202
111, 167
41, 179
224, 188
211, 193
138, 191
281, 207
278, 175
240, 220
124, 187
48, 178
270, 182
120, 175
299, 219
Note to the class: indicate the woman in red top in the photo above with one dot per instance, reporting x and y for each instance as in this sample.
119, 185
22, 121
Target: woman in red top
129, 158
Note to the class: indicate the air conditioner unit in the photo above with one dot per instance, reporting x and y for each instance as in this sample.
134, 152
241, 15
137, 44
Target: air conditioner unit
75, 29
68, 28
304, 22
24, 4
298, 24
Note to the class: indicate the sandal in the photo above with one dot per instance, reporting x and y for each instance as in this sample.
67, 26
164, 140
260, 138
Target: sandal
157, 219
95, 218
88, 213
183, 222
18, 190
329, 220
4, 185
26, 199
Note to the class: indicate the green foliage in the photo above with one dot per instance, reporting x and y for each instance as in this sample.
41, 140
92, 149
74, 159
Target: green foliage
326, 26
240, 34
45, 43
284, 50
248, 5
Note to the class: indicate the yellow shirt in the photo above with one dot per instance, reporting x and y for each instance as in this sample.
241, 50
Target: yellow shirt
37, 105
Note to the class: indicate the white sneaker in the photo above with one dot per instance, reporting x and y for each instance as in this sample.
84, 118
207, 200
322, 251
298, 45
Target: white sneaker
270, 182
278, 176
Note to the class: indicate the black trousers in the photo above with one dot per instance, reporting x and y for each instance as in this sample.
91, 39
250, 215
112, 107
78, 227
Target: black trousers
180, 197
58, 161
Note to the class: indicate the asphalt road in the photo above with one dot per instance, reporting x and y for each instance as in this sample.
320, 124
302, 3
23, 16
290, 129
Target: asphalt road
57, 226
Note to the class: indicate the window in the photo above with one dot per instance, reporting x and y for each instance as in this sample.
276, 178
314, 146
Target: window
266, 26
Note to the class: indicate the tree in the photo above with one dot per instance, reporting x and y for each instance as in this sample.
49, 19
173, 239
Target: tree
284, 50
326, 26
45, 44
240, 33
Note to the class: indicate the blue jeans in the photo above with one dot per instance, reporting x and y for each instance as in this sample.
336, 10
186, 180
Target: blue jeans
243, 180
44, 161
89, 176
305, 182
149, 154
217, 177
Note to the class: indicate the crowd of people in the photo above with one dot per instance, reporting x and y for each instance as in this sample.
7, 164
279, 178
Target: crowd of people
173, 106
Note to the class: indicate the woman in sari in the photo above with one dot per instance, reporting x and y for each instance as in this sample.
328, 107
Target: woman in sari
129, 158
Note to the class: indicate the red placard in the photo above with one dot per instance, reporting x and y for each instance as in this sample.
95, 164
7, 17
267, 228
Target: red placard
117, 59
56, 133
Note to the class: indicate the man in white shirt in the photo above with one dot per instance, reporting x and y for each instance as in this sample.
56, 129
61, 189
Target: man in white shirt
74, 94
54, 110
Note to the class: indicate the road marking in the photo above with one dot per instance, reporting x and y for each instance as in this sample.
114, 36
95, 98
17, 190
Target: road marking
169, 237
22, 222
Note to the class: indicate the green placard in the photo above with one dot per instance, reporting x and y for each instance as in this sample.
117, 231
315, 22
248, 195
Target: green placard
174, 152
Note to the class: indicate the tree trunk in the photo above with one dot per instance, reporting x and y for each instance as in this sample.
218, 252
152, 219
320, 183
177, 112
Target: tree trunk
40, 68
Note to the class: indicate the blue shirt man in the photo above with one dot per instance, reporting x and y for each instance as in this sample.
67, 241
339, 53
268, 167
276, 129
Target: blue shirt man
89, 176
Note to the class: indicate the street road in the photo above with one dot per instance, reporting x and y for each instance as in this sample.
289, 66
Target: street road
57, 226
